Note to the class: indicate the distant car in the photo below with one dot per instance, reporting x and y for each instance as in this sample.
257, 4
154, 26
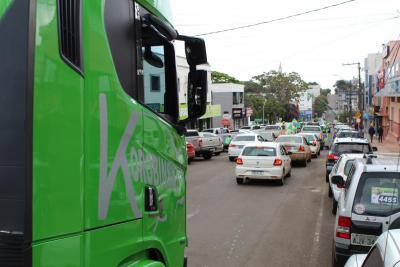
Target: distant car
191, 153
315, 145
298, 146
315, 129
342, 168
202, 147
348, 134
267, 160
239, 141
368, 202
384, 253
267, 136
276, 129
346, 146
213, 142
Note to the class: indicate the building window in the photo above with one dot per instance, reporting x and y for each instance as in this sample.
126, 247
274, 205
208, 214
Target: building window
155, 83
237, 98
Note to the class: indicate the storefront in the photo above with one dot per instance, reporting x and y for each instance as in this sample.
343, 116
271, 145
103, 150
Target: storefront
203, 122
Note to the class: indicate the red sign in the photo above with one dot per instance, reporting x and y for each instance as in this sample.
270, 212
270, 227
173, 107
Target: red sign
226, 122
249, 112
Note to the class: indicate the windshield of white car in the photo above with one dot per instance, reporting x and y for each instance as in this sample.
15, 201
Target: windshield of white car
345, 148
310, 137
311, 129
378, 194
190, 133
289, 139
272, 127
348, 135
259, 151
240, 138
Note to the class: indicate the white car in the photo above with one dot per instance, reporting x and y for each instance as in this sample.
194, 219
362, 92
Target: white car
342, 167
368, 203
315, 145
385, 252
267, 160
239, 141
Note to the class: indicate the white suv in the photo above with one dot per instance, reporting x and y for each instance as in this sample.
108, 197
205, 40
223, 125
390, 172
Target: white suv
369, 200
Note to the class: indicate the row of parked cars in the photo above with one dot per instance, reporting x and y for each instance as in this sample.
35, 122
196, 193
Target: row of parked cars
364, 187
258, 158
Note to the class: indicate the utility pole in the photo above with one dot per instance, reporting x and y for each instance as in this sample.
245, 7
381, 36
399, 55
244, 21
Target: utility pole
263, 122
360, 93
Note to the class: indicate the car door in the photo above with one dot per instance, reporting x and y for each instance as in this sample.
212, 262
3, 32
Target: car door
285, 158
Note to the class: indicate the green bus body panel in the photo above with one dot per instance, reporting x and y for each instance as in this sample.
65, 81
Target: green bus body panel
57, 206
94, 151
159, 8
4, 5
59, 253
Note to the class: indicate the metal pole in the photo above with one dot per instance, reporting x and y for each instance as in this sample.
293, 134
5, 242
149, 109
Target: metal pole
350, 106
263, 112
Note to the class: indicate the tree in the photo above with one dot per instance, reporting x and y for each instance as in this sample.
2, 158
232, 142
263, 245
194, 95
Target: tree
320, 104
279, 89
326, 92
342, 85
220, 77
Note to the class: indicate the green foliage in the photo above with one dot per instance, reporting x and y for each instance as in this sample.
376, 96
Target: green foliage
220, 77
277, 89
344, 117
326, 92
342, 85
320, 104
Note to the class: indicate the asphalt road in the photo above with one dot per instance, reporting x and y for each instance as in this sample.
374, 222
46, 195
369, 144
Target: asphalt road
259, 223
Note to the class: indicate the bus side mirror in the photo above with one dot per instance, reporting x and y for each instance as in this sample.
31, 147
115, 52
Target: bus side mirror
197, 93
195, 50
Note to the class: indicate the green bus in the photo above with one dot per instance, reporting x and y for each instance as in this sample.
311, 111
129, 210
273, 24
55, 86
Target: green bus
93, 159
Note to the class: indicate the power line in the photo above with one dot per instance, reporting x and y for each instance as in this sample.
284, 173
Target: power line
278, 19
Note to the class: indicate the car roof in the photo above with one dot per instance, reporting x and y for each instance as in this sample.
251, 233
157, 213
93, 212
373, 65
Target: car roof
263, 144
376, 163
247, 134
352, 156
351, 140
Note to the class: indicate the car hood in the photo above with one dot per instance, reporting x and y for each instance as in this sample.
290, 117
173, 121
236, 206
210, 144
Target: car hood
356, 260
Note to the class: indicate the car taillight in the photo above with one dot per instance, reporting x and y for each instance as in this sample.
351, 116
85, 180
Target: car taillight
200, 143
277, 162
232, 145
239, 161
343, 228
314, 143
332, 156
301, 148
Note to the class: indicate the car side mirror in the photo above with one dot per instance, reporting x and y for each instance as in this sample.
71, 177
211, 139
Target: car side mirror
374, 148
337, 180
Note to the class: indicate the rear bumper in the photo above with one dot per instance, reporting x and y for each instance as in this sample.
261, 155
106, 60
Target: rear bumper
274, 173
234, 152
298, 156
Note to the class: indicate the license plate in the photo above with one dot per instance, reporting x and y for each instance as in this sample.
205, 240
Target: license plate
363, 240
257, 172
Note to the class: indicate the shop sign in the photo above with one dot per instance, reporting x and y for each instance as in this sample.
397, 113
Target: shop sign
237, 113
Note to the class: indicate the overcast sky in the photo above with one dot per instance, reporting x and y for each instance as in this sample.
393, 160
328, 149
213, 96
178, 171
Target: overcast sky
314, 45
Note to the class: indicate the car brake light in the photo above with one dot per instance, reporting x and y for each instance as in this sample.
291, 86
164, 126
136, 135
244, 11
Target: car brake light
232, 145
277, 162
200, 143
314, 143
343, 228
301, 148
239, 161
332, 157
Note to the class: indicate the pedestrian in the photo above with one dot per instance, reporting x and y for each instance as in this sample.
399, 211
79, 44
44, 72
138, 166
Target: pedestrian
380, 133
371, 132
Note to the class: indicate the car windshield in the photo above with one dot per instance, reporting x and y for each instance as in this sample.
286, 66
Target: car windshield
240, 138
272, 127
259, 151
267, 136
309, 137
191, 133
289, 139
342, 148
377, 194
347, 166
348, 135
311, 129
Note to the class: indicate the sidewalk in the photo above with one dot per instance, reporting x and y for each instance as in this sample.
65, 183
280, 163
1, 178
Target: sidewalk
389, 145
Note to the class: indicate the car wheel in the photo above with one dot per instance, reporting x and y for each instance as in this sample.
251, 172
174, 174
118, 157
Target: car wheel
334, 206
232, 159
207, 156
290, 172
282, 180
304, 163
239, 180
327, 177
217, 153
309, 160
189, 161
319, 153
330, 193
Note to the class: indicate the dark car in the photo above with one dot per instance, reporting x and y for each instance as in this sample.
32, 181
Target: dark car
345, 146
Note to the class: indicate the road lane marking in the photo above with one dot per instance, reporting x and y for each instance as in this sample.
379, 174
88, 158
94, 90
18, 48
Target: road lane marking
317, 233
190, 215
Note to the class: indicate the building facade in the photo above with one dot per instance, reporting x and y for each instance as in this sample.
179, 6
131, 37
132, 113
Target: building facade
230, 97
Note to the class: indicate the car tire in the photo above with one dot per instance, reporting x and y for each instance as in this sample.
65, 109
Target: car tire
327, 177
304, 163
207, 156
217, 153
290, 172
282, 180
189, 161
330, 193
309, 160
239, 180
232, 159
334, 206
319, 153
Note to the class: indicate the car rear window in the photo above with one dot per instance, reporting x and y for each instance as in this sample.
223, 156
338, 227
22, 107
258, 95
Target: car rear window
259, 151
341, 148
289, 139
267, 136
245, 138
377, 194
311, 129
192, 133
348, 135
310, 137
208, 131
